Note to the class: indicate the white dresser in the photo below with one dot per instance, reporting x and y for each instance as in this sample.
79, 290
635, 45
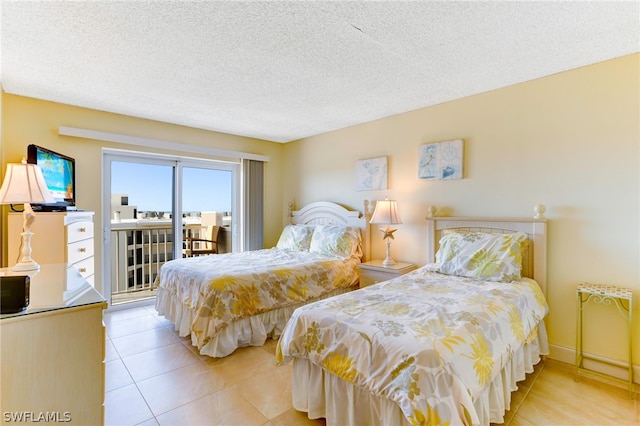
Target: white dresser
59, 237
52, 353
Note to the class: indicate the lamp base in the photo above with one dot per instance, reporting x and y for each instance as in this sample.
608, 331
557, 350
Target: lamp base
388, 262
26, 263
29, 265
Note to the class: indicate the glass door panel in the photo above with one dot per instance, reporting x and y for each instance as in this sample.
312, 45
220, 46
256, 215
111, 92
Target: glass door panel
141, 227
207, 210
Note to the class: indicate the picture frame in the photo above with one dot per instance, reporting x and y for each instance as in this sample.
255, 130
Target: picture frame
441, 160
371, 174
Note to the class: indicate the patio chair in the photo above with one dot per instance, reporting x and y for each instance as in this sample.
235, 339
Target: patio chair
201, 246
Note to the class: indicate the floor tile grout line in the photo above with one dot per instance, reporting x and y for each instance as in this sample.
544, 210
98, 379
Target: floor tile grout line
526, 394
155, 347
116, 317
135, 382
186, 343
250, 403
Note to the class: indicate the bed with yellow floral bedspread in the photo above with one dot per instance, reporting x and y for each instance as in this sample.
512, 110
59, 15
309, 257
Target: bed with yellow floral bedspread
239, 299
430, 343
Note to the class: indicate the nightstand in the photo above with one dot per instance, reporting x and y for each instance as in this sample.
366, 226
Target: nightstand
605, 295
373, 272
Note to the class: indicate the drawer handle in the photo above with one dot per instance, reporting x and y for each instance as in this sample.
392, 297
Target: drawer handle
83, 269
82, 230
83, 250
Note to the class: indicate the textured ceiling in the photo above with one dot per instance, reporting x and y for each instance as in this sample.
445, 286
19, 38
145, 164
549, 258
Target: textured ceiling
281, 71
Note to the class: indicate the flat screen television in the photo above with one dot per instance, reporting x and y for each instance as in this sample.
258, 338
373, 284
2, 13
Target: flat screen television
59, 172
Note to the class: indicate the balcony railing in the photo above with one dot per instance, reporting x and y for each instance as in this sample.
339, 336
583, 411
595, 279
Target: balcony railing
138, 249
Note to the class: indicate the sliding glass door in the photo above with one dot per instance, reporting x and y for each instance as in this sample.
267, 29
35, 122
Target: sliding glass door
160, 209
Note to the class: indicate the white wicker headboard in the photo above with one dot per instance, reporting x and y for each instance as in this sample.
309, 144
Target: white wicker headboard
327, 213
534, 262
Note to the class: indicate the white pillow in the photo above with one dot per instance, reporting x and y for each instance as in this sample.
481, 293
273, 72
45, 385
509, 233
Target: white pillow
337, 240
295, 237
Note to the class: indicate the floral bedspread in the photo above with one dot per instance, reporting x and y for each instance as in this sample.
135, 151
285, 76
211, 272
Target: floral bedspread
428, 341
226, 287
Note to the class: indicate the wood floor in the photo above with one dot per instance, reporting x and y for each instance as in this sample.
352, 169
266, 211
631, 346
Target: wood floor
154, 377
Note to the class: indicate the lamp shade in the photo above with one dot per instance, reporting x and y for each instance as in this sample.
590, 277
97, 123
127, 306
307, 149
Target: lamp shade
386, 212
24, 183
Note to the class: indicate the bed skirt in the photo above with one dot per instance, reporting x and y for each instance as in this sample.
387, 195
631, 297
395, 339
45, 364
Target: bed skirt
250, 331
322, 395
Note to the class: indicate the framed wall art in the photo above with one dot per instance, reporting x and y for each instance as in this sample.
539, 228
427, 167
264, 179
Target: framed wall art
371, 174
441, 160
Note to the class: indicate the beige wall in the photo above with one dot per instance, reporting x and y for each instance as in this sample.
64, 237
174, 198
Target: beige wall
569, 141
27, 121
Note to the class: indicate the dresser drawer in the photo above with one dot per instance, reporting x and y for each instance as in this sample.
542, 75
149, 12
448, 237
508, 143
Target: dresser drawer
77, 231
85, 267
79, 250
368, 278
60, 237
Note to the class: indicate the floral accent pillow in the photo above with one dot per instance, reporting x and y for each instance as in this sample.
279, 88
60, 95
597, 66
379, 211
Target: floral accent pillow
337, 240
295, 237
488, 257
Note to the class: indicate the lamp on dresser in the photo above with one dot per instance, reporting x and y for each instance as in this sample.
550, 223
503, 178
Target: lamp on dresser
386, 213
24, 184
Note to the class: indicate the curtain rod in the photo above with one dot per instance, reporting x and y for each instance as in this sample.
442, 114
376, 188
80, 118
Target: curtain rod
156, 143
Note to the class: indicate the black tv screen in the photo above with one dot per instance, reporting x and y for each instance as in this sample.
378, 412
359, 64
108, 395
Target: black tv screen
59, 172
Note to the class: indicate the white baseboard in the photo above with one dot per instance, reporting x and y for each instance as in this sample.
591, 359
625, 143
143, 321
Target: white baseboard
598, 363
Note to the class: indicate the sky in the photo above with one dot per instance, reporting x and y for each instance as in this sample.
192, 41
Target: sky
149, 187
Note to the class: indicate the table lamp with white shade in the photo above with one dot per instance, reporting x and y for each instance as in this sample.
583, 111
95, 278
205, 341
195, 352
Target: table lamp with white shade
386, 213
24, 184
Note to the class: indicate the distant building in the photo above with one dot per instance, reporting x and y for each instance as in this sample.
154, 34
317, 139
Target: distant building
120, 208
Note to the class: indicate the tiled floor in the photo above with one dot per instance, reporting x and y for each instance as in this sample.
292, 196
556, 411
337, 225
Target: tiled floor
155, 377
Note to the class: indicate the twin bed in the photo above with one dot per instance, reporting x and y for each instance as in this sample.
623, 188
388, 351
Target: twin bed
444, 344
231, 300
